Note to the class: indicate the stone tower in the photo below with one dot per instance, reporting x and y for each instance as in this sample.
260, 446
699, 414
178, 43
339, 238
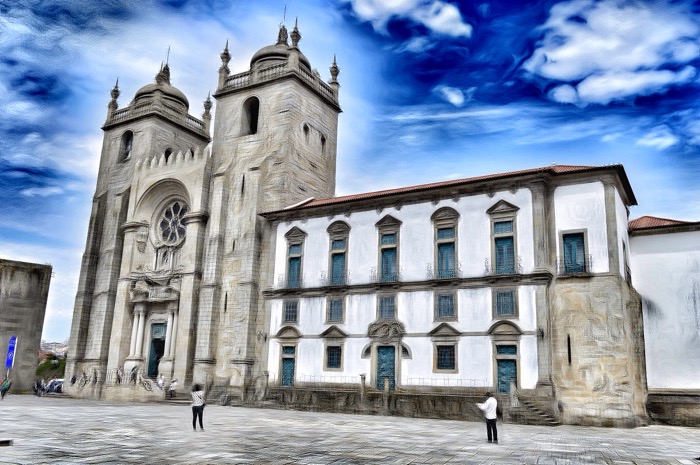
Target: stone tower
140, 272
177, 254
274, 146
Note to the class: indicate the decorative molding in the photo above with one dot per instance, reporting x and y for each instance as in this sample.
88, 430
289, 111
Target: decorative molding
386, 331
295, 234
502, 207
334, 333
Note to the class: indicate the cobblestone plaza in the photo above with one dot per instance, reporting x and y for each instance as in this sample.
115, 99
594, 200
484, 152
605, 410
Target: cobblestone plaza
51, 430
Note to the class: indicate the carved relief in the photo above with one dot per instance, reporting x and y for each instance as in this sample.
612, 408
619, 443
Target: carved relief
386, 331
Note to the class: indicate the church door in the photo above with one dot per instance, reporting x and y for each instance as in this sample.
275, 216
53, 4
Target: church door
386, 367
157, 348
507, 370
288, 353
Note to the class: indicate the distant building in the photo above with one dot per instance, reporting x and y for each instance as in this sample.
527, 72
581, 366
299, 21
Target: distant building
233, 265
24, 288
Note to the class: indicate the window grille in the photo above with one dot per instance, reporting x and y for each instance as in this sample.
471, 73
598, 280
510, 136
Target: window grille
445, 306
505, 303
335, 310
333, 357
387, 308
445, 357
291, 311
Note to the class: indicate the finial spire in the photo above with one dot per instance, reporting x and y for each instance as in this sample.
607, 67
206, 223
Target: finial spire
167, 58
223, 69
296, 36
113, 105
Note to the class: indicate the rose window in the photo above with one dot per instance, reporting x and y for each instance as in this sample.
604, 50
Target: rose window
172, 229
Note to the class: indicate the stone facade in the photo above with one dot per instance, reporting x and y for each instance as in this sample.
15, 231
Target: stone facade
24, 288
226, 260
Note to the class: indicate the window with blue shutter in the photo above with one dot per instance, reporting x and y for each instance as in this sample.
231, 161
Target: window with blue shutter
574, 253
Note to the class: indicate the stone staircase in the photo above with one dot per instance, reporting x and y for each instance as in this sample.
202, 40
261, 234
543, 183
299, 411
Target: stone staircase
532, 412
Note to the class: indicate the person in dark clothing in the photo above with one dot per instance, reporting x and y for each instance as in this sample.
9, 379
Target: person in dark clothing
197, 406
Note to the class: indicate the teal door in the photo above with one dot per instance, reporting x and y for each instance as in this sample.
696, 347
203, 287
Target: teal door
386, 356
288, 353
507, 370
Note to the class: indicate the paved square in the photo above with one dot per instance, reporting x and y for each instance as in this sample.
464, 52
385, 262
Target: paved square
50, 430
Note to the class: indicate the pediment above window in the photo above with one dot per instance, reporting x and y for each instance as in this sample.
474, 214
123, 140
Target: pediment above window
388, 222
505, 328
333, 332
445, 214
338, 228
501, 207
295, 234
444, 330
288, 332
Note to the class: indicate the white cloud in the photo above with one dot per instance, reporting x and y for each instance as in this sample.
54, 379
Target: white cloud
611, 50
438, 16
451, 94
42, 191
660, 138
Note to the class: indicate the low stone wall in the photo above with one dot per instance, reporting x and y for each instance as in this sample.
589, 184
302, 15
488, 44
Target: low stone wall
407, 404
674, 408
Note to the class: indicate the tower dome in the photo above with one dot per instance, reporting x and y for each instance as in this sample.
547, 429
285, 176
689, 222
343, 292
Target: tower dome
278, 53
172, 95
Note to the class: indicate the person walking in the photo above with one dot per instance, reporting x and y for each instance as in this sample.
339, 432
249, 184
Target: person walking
489, 408
5, 386
197, 406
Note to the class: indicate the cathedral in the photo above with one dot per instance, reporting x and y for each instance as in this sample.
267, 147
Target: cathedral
220, 256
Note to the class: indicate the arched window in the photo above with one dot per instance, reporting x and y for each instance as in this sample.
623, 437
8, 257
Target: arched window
126, 146
251, 110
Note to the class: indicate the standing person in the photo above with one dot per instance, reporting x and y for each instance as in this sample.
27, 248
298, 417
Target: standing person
172, 387
120, 374
197, 406
160, 381
5, 386
489, 408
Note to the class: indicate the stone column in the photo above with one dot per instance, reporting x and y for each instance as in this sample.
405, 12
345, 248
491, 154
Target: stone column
134, 332
544, 340
611, 224
173, 339
139, 332
168, 334
541, 227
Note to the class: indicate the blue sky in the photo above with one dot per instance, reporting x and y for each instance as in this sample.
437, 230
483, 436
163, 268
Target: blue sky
430, 90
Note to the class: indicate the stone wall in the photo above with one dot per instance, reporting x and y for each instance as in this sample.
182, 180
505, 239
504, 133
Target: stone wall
24, 288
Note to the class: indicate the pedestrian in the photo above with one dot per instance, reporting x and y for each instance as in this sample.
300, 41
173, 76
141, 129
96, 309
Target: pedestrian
197, 406
120, 374
172, 387
489, 408
132, 375
5, 386
160, 381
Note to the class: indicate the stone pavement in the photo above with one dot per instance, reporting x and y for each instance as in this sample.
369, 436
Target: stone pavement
51, 430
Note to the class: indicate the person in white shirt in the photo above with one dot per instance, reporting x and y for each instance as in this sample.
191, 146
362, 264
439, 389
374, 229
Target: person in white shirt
489, 408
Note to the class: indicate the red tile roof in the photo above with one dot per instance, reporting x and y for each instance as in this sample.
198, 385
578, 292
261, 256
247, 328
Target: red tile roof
648, 222
552, 169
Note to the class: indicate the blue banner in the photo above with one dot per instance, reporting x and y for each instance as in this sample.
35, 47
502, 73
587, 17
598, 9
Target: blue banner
10, 360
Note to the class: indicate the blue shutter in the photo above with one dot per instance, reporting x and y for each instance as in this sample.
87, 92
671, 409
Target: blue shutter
446, 260
388, 272
294, 272
574, 254
338, 268
505, 255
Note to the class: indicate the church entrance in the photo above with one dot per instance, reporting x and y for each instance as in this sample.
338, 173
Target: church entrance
157, 348
386, 367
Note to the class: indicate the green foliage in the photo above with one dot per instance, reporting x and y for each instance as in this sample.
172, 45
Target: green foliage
51, 367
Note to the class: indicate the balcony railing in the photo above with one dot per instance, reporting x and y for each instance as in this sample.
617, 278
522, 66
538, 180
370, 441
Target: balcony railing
289, 283
379, 276
444, 273
341, 279
514, 266
585, 266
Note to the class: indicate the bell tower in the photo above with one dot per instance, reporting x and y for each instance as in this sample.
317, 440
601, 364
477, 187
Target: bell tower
275, 136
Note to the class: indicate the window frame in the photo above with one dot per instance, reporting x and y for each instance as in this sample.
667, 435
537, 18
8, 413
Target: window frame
436, 306
445, 343
295, 237
583, 232
494, 303
386, 226
333, 345
501, 212
338, 231
329, 300
380, 297
286, 321
445, 218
